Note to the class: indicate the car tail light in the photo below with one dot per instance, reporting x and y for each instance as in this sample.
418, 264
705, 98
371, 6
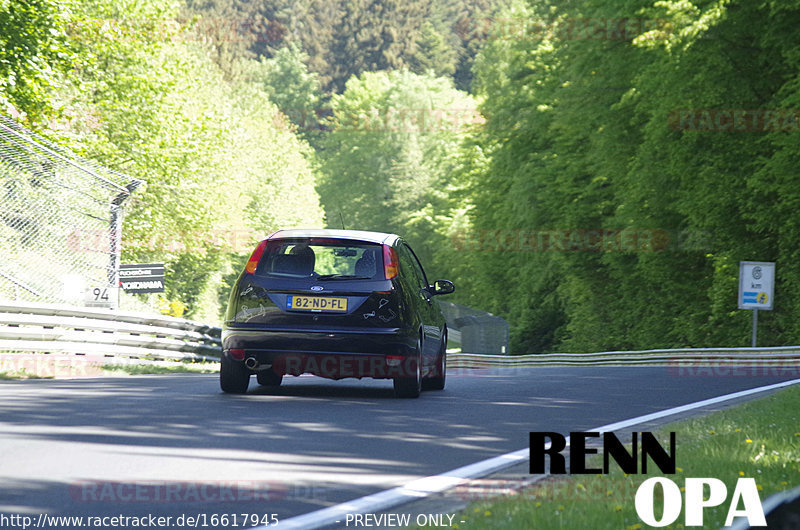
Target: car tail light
389, 262
394, 360
237, 353
255, 257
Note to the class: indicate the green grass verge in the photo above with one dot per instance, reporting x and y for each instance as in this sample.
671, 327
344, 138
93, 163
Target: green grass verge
21, 374
759, 439
141, 369
117, 369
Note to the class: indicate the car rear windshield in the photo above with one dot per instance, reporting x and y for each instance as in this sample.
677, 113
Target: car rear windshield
321, 259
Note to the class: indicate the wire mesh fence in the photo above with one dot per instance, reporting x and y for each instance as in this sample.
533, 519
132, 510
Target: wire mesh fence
60, 221
478, 331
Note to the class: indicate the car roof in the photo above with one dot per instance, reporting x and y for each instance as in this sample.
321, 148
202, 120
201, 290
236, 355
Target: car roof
355, 235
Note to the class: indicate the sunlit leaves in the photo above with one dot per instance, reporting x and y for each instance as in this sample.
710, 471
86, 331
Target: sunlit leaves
581, 139
34, 53
388, 164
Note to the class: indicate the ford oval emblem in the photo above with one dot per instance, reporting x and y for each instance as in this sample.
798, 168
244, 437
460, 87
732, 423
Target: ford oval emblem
317, 287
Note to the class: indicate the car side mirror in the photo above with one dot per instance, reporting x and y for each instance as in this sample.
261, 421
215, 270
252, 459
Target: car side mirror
442, 287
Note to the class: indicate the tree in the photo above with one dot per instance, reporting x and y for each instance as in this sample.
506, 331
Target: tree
605, 142
389, 161
296, 91
374, 35
237, 30
434, 53
220, 165
34, 55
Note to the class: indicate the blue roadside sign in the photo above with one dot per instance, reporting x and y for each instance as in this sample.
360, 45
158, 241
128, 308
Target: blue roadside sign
756, 284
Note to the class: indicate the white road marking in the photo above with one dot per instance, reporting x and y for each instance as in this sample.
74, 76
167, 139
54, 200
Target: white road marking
427, 486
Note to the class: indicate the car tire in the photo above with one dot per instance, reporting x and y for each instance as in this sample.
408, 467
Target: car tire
234, 377
268, 378
410, 387
440, 371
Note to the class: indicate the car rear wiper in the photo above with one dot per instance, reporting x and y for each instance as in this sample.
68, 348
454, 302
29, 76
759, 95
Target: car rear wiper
342, 277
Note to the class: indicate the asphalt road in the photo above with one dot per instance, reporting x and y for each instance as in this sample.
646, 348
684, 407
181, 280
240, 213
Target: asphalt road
174, 445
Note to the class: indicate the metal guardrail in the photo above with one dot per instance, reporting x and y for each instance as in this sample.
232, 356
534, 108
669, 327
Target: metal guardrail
788, 356
53, 328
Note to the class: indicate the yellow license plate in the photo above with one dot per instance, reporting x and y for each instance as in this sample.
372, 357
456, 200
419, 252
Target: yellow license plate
316, 303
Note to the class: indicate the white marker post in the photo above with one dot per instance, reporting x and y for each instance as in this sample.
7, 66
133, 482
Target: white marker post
756, 288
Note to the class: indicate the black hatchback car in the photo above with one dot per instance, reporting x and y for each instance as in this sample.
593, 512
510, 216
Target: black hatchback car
336, 304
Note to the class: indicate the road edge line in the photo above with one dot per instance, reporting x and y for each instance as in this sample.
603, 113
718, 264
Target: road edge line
424, 487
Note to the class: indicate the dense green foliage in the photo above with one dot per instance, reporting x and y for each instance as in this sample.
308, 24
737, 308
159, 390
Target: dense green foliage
389, 163
628, 154
593, 132
344, 38
33, 49
222, 167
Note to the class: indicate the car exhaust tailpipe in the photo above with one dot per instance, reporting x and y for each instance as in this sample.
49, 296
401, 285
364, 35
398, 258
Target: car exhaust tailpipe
251, 363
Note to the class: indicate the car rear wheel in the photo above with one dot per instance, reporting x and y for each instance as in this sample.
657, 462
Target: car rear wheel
233, 377
440, 370
268, 378
410, 386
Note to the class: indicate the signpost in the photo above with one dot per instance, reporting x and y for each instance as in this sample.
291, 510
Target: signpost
101, 296
756, 288
142, 278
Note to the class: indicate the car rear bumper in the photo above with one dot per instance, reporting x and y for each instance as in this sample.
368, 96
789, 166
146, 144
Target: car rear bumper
381, 354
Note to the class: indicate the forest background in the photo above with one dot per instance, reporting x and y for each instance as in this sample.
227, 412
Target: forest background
592, 171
